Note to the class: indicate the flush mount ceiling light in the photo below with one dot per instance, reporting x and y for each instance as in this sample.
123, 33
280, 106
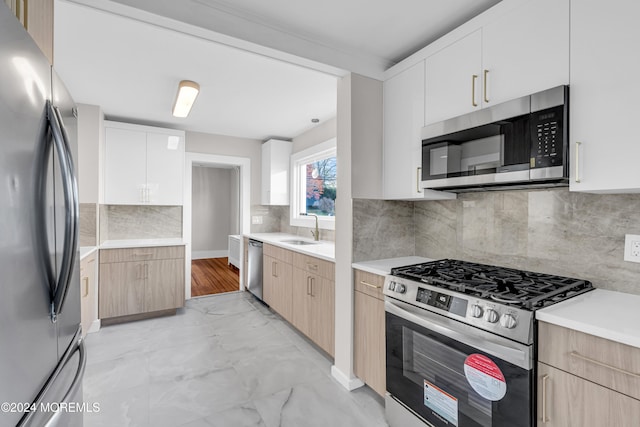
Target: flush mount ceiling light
187, 93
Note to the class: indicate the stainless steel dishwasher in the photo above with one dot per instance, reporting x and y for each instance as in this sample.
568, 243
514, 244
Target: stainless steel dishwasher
254, 275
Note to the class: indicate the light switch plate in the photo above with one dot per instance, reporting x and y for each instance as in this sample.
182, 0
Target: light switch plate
632, 247
256, 219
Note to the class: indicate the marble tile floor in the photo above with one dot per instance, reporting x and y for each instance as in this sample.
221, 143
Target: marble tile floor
224, 360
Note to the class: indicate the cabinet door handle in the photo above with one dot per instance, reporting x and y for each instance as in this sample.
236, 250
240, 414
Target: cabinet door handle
578, 144
85, 280
146, 271
473, 90
274, 269
313, 279
604, 365
136, 254
308, 285
484, 89
418, 173
544, 398
142, 194
370, 285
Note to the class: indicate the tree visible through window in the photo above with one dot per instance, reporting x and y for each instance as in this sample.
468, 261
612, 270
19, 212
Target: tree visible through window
321, 187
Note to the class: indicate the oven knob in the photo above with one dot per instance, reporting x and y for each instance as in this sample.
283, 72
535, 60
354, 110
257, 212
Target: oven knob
476, 310
400, 288
508, 321
491, 315
392, 286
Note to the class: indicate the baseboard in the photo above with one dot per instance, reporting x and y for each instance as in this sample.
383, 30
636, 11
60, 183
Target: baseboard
346, 382
95, 326
209, 254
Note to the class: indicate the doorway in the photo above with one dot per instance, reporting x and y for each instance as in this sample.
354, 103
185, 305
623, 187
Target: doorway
215, 223
215, 216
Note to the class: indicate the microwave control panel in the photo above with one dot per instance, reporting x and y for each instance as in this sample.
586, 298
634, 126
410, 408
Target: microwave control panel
547, 131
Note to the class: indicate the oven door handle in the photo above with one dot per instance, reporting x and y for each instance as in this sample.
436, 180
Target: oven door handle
507, 350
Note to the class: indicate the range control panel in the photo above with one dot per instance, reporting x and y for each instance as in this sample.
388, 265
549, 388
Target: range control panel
442, 301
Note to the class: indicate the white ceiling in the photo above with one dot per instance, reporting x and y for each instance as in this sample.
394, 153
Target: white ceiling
129, 55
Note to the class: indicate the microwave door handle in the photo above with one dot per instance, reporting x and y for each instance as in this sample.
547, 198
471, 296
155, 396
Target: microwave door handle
70, 191
487, 343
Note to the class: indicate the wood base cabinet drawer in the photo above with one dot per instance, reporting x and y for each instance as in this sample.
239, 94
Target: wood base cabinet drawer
605, 362
369, 283
565, 400
139, 254
276, 252
314, 265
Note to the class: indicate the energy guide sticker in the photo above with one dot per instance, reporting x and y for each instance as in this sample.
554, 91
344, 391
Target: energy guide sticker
441, 403
485, 377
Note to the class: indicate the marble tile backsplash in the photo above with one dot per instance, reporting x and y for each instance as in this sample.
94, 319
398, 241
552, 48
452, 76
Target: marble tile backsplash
382, 229
88, 232
551, 231
139, 222
275, 219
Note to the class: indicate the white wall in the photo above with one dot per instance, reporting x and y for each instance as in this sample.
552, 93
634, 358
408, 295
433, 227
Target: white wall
214, 200
90, 141
320, 133
196, 142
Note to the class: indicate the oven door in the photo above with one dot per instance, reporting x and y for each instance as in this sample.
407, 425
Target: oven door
453, 374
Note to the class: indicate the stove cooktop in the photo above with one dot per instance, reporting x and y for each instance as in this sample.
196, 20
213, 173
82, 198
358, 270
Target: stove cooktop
519, 289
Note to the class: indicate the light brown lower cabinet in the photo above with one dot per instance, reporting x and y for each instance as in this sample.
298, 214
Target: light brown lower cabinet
276, 286
566, 400
140, 280
301, 289
586, 381
314, 308
88, 295
369, 325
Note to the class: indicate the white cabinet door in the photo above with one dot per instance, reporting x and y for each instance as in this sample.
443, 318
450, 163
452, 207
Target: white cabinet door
125, 166
403, 121
453, 79
276, 160
165, 168
525, 51
605, 96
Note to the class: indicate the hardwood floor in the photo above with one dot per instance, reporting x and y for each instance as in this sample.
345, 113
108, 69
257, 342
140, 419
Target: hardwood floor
213, 276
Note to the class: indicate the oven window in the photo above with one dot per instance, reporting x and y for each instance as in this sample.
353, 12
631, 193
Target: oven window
426, 372
443, 367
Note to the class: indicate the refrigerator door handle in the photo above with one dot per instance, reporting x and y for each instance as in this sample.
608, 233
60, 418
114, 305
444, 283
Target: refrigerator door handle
70, 190
77, 381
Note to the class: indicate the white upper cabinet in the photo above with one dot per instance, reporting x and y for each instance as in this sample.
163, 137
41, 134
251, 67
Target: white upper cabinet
276, 159
403, 121
605, 96
143, 165
525, 51
453, 80
521, 52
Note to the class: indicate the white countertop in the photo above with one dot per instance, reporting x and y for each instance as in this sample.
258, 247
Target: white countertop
85, 251
322, 249
383, 267
139, 243
605, 314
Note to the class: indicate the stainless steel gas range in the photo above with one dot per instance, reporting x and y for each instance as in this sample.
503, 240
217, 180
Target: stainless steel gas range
460, 342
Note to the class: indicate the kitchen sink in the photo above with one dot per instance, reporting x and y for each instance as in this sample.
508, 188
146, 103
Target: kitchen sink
298, 242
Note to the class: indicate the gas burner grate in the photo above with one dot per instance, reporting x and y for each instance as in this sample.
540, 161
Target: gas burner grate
509, 286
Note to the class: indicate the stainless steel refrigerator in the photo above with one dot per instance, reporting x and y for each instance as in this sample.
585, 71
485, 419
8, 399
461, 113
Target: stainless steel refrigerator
42, 355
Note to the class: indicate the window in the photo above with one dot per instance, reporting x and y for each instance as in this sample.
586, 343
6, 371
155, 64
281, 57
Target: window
314, 185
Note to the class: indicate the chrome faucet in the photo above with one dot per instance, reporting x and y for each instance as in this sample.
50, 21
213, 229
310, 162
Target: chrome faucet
316, 234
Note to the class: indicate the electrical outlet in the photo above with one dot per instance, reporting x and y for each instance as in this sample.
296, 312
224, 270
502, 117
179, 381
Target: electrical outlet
632, 248
257, 219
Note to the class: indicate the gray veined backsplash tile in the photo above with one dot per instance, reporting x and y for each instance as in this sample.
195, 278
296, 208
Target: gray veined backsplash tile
88, 231
552, 231
382, 229
139, 222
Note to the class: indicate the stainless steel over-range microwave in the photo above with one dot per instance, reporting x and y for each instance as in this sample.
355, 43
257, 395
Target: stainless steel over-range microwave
519, 143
